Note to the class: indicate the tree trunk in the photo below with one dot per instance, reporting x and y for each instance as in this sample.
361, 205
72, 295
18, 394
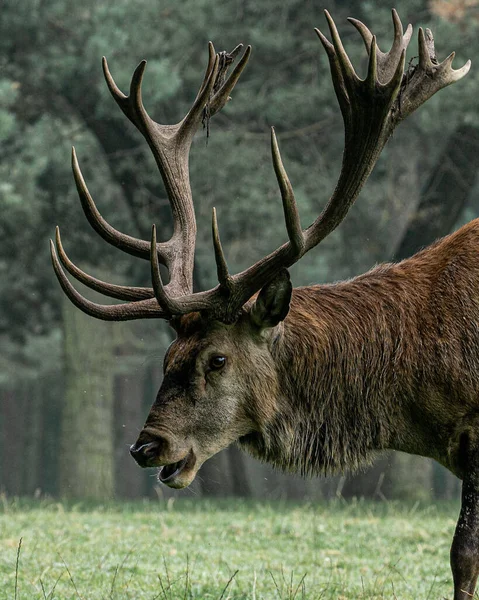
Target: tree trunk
52, 391
445, 194
240, 485
12, 436
87, 460
445, 485
129, 417
408, 477
366, 483
32, 447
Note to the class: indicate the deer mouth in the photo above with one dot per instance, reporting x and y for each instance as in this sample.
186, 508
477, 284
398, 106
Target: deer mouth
178, 474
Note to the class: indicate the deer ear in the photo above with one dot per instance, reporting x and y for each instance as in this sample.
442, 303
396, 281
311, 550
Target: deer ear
272, 304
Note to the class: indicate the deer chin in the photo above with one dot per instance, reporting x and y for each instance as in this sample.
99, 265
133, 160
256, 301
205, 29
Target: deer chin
179, 474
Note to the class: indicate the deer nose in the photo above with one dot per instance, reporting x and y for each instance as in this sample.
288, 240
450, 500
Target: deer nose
144, 454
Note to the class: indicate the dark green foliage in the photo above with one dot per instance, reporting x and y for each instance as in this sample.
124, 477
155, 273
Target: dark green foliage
53, 95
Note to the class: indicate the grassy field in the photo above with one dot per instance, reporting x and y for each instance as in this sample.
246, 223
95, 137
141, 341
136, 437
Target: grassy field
225, 549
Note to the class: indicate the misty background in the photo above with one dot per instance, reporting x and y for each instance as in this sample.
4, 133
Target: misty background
74, 391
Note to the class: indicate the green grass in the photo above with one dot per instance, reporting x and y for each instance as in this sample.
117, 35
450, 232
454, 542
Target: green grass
225, 549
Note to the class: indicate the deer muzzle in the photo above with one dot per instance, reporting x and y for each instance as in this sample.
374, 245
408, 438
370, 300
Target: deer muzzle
177, 466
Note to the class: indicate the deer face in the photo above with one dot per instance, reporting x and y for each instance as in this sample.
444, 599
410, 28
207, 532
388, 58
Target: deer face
220, 384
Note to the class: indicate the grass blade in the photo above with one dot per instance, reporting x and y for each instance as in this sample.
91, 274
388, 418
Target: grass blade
71, 579
228, 584
19, 549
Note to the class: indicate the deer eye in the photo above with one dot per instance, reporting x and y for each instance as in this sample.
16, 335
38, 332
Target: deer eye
217, 362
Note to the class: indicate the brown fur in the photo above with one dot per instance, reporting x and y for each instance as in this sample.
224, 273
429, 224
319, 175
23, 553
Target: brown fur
386, 360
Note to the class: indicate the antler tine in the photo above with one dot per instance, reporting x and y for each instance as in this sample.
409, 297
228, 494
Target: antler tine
132, 105
209, 67
372, 75
169, 305
120, 292
345, 78
190, 122
224, 277
386, 61
347, 69
455, 74
427, 52
427, 78
216, 88
401, 37
364, 31
291, 214
127, 243
143, 309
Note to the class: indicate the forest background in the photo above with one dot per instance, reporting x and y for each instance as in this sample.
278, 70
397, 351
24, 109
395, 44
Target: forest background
74, 391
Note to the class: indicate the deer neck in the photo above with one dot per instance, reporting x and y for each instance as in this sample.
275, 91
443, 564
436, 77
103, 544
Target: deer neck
334, 405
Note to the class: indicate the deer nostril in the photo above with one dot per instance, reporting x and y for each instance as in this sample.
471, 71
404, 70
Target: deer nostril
143, 453
143, 448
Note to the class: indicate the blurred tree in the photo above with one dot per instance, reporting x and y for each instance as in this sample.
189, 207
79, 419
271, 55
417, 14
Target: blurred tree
52, 95
448, 187
86, 443
128, 393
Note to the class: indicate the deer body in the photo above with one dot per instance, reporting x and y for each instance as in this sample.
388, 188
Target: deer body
320, 378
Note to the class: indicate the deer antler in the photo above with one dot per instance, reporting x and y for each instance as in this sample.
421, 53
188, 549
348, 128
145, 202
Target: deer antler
371, 108
170, 145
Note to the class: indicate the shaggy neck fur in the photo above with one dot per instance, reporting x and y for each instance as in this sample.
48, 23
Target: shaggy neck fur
381, 361
333, 361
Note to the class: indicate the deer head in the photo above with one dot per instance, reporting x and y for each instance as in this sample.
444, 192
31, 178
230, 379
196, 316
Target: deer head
220, 377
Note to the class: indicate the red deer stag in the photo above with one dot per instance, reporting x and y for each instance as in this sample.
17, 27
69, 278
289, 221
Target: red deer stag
313, 379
